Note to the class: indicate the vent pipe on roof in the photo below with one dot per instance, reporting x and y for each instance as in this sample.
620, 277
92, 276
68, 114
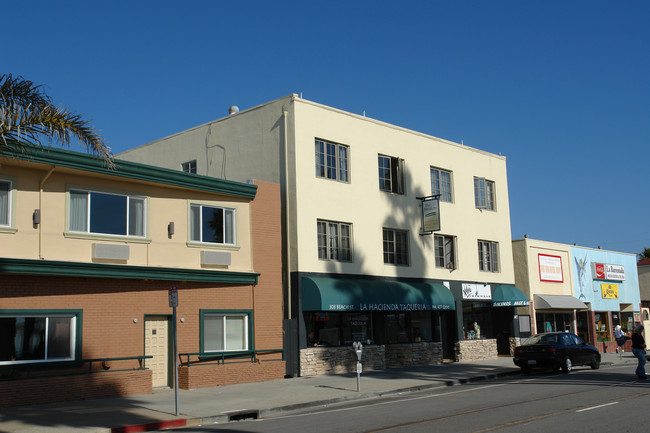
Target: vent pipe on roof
233, 109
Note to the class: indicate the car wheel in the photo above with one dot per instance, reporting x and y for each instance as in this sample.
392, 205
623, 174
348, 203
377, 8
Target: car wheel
595, 362
567, 366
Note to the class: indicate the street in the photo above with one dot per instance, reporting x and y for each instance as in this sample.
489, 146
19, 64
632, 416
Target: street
609, 399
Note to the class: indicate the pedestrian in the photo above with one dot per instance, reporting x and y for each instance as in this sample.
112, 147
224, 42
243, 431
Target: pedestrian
638, 349
619, 335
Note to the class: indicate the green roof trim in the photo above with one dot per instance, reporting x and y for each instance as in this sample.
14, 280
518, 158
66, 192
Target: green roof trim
127, 169
101, 270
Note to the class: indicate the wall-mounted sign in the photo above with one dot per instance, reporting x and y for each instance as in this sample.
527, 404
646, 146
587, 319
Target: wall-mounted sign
609, 291
602, 271
430, 215
550, 268
477, 291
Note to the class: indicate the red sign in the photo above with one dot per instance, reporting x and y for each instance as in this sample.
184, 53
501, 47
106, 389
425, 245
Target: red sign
600, 271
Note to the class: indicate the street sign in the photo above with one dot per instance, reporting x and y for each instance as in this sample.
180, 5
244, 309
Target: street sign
173, 297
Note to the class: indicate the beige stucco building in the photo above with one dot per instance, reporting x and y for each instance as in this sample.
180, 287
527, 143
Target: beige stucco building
359, 265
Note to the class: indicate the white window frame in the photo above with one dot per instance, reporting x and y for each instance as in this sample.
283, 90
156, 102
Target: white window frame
390, 245
332, 160
130, 199
445, 251
488, 256
331, 241
226, 210
189, 166
74, 328
484, 194
223, 316
8, 213
438, 184
391, 174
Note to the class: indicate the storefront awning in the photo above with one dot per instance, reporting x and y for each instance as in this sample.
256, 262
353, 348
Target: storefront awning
558, 302
507, 295
334, 294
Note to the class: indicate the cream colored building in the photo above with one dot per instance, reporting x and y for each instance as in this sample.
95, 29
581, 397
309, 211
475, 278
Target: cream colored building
352, 199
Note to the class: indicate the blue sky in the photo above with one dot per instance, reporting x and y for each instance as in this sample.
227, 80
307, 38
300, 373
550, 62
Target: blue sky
561, 88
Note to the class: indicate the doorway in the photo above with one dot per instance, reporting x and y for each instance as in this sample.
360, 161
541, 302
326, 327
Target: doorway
156, 345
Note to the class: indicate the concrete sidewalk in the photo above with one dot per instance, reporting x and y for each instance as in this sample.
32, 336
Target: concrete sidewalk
223, 404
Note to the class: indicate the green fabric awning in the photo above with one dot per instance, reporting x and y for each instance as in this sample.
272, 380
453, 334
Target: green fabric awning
336, 294
507, 295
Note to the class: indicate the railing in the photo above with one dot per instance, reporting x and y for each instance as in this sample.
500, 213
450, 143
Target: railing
221, 358
12, 371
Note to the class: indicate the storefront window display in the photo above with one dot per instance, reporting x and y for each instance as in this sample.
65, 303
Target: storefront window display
476, 320
601, 319
582, 322
554, 322
336, 329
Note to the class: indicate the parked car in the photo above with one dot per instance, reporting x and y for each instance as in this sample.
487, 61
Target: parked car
556, 350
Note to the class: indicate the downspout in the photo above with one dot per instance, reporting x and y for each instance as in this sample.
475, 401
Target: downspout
286, 211
40, 207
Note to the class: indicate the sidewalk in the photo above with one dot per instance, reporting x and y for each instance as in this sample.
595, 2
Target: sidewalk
226, 403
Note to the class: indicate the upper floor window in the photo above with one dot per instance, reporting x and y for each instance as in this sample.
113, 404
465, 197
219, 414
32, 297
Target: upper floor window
441, 183
212, 224
38, 337
488, 256
332, 161
225, 331
391, 174
5, 203
484, 193
106, 213
396, 247
334, 241
445, 251
189, 166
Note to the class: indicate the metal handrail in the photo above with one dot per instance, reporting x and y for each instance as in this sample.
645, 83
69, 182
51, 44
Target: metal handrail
221, 357
29, 367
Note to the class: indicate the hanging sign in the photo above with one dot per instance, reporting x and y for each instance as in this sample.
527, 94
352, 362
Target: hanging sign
430, 214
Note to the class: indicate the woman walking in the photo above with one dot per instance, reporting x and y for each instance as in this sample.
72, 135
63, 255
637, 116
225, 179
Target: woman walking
638, 349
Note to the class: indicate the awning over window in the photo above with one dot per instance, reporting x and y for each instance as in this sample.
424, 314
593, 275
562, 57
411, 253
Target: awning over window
558, 302
507, 295
334, 294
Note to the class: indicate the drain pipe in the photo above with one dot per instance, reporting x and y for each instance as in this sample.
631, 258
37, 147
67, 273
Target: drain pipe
40, 206
285, 114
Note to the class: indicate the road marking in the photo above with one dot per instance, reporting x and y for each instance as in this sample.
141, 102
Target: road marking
597, 407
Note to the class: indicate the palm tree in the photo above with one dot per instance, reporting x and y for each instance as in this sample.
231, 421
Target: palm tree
28, 114
645, 254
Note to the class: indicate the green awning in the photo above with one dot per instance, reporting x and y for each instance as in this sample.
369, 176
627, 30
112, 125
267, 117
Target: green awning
336, 294
507, 295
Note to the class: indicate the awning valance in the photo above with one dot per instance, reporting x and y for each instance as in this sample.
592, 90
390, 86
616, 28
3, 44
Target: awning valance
338, 294
507, 295
558, 302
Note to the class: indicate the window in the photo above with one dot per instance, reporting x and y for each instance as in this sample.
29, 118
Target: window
226, 331
441, 183
104, 213
212, 224
5, 203
332, 161
396, 247
484, 193
41, 337
445, 251
189, 166
391, 174
334, 241
488, 256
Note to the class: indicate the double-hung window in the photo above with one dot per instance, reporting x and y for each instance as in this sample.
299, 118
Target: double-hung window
189, 166
32, 336
332, 161
5, 203
334, 241
484, 193
212, 224
445, 251
441, 183
488, 256
229, 331
107, 213
391, 174
396, 247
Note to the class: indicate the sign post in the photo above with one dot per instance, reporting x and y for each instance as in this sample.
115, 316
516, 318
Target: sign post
358, 348
173, 302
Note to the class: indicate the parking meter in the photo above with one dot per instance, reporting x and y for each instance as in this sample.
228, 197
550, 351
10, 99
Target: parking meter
358, 348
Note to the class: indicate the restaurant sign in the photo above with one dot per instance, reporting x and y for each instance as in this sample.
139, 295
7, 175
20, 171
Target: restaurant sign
602, 271
477, 291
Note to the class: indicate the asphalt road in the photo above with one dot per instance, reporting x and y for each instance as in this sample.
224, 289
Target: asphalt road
610, 399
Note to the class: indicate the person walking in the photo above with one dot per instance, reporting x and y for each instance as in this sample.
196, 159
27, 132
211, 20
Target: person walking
638, 349
619, 335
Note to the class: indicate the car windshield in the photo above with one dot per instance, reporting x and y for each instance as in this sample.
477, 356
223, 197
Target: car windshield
541, 339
